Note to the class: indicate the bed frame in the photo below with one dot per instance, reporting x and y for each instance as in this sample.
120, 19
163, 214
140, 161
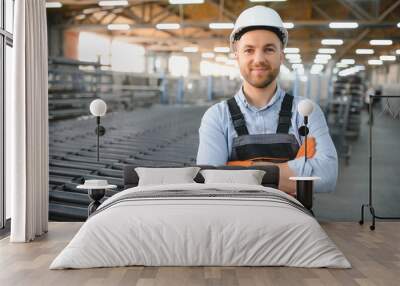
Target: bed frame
270, 179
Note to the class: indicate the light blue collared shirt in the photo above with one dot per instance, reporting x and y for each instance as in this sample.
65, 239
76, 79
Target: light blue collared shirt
216, 135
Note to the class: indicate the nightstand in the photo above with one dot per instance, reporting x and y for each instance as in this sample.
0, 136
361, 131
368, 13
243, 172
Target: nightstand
96, 191
305, 191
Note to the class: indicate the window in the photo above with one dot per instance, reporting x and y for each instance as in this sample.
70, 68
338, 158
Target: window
127, 57
178, 65
208, 68
93, 47
9, 15
6, 40
123, 57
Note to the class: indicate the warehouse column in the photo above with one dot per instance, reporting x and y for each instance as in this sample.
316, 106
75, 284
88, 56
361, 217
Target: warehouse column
180, 90
210, 95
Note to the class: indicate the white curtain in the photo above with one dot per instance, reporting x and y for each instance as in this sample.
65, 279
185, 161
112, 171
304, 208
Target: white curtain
27, 124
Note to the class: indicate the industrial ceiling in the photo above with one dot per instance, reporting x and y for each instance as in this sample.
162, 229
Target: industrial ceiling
376, 20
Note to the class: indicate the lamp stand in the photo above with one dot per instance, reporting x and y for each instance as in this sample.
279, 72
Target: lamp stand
100, 131
303, 131
305, 137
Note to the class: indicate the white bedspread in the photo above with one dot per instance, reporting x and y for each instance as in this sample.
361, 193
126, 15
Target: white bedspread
200, 231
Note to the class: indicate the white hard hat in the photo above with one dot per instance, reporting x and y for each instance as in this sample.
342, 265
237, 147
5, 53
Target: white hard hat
259, 16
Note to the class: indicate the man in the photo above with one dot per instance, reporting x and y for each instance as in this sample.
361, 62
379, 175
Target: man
259, 125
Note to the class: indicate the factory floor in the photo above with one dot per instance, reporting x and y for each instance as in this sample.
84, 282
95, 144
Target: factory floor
353, 180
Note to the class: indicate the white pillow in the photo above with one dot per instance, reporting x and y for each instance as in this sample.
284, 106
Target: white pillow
248, 177
163, 176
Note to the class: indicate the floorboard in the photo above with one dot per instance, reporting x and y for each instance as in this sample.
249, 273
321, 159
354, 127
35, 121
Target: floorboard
374, 255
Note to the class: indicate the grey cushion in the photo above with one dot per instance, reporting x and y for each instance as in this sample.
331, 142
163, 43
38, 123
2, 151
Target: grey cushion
270, 179
164, 176
248, 177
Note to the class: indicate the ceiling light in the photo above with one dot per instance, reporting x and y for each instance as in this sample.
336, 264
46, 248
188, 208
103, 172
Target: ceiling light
232, 56
342, 65
190, 49
348, 61
334, 42
267, 0
222, 49
398, 52
293, 56
297, 66
80, 17
321, 61
323, 56
288, 25
360, 67
91, 10
316, 69
221, 59
114, 3
326, 51
343, 25
53, 5
231, 62
364, 51
381, 42
186, 1
291, 50
168, 26
375, 62
348, 71
208, 55
387, 58
398, 25
221, 26
114, 27
295, 61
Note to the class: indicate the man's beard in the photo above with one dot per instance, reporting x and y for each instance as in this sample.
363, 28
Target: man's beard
263, 82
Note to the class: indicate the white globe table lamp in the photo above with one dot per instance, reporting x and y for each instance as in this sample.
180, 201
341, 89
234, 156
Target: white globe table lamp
305, 108
98, 108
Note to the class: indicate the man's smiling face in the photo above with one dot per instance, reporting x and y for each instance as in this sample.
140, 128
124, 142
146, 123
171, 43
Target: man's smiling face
259, 54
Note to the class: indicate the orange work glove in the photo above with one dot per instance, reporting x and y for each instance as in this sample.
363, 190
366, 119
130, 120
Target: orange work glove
310, 148
244, 163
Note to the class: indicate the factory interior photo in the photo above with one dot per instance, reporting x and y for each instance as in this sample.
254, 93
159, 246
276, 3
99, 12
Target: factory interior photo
236, 142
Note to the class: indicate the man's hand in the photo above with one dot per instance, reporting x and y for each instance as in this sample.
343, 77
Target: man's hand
248, 163
242, 163
311, 148
262, 163
285, 172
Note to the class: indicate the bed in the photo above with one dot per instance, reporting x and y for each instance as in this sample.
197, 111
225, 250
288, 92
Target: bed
199, 224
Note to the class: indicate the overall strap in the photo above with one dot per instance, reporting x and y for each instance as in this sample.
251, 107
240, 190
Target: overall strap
237, 117
285, 115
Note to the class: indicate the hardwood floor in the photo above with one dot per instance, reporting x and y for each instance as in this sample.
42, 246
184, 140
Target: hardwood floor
375, 257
